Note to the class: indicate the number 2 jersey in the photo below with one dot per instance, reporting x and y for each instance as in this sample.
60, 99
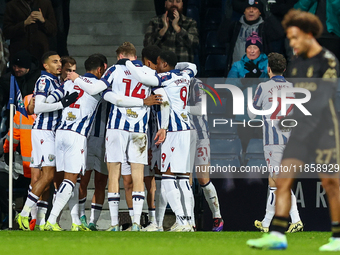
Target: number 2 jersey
263, 99
80, 115
45, 86
176, 85
121, 82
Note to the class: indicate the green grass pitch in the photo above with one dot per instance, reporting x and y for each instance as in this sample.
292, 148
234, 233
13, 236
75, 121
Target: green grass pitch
101, 242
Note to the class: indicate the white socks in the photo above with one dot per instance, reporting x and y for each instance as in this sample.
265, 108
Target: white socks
114, 199
41, 212
96, 209
30, 202
210, 195
82, 206
137, 204
186, 198
160, 201
270, 208
63, 195
73, 205
294, 213
173, 196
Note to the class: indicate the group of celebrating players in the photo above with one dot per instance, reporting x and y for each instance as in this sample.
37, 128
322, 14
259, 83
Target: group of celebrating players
148, 114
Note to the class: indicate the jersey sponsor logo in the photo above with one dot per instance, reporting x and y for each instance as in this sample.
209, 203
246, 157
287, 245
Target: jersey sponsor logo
185, 117
51, 157
131, 113
70, 116
127, 72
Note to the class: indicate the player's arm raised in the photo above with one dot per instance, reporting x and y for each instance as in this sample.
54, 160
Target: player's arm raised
139, 74
87, 85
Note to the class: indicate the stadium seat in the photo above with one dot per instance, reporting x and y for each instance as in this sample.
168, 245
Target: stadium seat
221, 131
193, 12
215, 65
212, 45
213, 18
257, 162
225, 148
254, 150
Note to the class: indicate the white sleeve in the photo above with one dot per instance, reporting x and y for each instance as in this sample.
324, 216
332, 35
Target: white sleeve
141, 76
165, 108
89, 87
187, 65
195, 110
122, 101
42, 106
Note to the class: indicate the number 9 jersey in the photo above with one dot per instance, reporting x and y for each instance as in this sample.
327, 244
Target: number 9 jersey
176, 85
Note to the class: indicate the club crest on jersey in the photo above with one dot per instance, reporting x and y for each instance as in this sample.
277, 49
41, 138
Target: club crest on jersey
172, 149
42, 84
131, 113
70, 116
41, 141
51, 157
185, 117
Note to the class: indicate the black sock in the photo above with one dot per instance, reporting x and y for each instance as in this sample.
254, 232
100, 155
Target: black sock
279, 224
336, 229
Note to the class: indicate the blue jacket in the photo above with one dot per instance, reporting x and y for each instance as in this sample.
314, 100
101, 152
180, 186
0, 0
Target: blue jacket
237, 72
332, 12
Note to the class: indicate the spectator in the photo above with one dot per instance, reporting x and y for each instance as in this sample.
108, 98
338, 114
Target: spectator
62, 14
159, 6
28, 24
328, 13
252, 65
25, 69
173, 31
235, 33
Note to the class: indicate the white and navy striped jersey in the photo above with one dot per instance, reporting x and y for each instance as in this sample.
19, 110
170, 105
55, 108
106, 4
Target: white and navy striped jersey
121, 82
79, 116
176, 85
200, 123
100, 121
263, 99
46, 85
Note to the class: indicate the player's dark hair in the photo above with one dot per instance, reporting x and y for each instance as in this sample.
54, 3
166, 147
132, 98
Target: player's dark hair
101, 56
151, 52
126, 49
169, 57
46, 55
92, 63
277, 63
307, 22
68, 60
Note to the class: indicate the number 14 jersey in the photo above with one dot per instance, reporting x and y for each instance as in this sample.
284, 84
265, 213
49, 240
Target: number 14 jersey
121, 82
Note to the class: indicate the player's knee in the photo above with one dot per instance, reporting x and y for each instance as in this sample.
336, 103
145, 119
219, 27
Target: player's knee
283, 184
331, 185
100, 183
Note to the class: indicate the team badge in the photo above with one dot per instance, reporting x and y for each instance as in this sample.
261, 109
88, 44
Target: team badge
70, 116
42, 84
51, 157
310, 71
41, 141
